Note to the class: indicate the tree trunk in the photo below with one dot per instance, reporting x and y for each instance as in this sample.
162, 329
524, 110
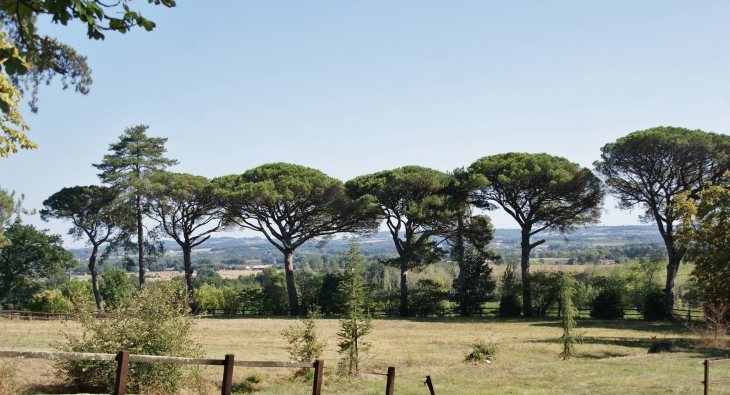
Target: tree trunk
140, 242
291, 288
675, 257
525, 266
95, 278
459, 249
404, 291
188, 262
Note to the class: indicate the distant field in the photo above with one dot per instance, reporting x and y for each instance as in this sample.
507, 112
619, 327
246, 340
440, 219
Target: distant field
612, 360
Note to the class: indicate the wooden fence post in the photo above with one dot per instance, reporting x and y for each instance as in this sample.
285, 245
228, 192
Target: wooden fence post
430, 385
227, 386
707, 376
318, 370
391, 381
120, 387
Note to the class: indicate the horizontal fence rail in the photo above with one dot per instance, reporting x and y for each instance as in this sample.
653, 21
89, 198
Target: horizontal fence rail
124, 358
683, 314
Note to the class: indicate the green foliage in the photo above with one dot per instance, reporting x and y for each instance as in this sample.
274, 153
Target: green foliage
128, 168
32, 254
483, 351
30, 59
545, 290
9, 206
115, 288
355, 323
274, 297
568, 312
187, 211
510, 306
291, 205
303, 344
79, 293
652, 168
52, 301
154, 321
413, 202
609, 304
657, 306
539, 191
429, 297
703, 230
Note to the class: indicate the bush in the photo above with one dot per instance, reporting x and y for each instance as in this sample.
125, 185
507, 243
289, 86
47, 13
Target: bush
482, 351
656, 306
608, 305
428, 298
80, 294
154, 321
509, 306
50, 302
115, 288
302, 340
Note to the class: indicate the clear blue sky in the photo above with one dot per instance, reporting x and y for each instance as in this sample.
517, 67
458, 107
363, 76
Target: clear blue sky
356, 87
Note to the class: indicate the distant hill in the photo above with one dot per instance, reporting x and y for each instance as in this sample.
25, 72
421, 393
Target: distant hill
256, 248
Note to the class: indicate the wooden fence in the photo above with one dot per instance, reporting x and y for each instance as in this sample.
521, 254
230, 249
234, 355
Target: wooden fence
123, 359
706, 382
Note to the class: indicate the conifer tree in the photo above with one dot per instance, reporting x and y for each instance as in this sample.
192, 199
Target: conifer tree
355, 322
568, 312
133, 159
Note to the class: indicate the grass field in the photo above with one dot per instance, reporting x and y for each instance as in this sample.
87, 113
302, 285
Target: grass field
612, 360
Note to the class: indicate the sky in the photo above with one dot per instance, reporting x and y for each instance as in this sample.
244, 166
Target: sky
355, 87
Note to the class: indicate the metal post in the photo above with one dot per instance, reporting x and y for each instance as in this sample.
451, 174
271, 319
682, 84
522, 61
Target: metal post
430, 385
707, 376
390, 384
318, 370
227, 387
120, 386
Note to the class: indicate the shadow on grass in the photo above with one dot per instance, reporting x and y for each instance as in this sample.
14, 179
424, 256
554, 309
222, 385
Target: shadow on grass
51, 389
668, 328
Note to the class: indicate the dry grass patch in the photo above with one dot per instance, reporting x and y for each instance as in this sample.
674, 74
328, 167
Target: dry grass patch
612, 360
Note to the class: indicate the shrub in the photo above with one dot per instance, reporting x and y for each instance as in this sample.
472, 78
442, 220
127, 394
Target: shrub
154, 321
429, 297
483, 351
50, 302
656, 306
115, 288
608, 305
545, 290
80, 294
302, 340
509, 306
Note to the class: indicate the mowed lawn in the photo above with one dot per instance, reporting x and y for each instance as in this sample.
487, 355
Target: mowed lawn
613, 358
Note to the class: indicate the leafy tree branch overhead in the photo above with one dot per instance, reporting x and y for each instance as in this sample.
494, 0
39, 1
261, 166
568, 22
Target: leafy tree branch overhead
29, 58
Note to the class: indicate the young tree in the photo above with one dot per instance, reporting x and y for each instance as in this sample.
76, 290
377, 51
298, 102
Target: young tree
30, 59
413, 202
31, 254
94, 213
115, 288
568, 312
291, 205
355, 322
128, 168
651, 168
539, 191
187, 212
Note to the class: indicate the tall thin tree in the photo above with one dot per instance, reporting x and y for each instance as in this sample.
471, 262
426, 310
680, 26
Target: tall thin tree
133, 159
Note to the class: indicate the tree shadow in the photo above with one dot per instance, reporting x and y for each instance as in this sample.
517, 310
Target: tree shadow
668, 328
